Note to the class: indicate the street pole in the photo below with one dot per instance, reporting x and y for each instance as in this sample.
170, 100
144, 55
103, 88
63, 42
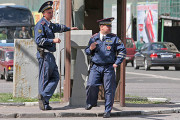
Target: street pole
67, 84
162, 31
121, 32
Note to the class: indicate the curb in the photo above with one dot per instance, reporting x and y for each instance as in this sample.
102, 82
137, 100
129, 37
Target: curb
28, 104
67, 114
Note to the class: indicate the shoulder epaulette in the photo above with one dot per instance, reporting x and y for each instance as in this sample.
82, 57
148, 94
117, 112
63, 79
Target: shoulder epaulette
43, 22
113, 34
94, 35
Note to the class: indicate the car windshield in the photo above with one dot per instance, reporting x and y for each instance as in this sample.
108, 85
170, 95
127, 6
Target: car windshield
8, 34
129, 43
164, 46
9, 55
14, 15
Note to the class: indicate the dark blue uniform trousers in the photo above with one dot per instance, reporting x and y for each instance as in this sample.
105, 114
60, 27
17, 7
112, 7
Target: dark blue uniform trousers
48, 76
98, 75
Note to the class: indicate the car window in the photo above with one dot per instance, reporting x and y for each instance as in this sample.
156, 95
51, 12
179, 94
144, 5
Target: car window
171, 46
2, 56
129, 43
9, 55
144, 47
8, 34
158, 46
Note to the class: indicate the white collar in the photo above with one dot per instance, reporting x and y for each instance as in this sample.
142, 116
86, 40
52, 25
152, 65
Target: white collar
101, 36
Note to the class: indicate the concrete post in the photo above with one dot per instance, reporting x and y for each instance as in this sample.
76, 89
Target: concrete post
25, 75
79, 41
78, 13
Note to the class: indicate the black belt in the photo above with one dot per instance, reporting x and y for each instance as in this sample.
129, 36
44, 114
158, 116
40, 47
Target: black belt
103, 64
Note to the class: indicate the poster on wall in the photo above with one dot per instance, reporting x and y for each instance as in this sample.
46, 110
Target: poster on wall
56, 4
147, 22
128, 20
37, 16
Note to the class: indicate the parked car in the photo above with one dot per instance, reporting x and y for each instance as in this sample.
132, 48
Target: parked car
6, 63
131, 50
157, 54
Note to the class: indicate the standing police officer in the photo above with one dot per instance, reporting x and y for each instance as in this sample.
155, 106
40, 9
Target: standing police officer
46, 43
107, 52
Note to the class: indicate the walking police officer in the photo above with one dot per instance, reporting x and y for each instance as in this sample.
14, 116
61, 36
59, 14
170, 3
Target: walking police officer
46, 43
107, 52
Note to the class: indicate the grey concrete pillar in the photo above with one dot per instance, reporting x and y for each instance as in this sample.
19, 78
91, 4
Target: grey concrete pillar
25, 75
79, 41
78, 13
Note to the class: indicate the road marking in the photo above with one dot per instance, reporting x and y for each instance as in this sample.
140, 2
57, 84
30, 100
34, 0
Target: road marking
155, 76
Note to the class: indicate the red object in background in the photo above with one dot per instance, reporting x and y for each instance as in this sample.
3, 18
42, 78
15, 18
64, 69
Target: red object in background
6, 62
131, 50
149, 26
140, 26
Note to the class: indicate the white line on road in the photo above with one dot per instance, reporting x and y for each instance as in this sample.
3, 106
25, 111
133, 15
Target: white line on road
155, 76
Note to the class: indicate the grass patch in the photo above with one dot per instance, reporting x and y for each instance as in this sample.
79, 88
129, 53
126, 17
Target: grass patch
8, 98
138, 100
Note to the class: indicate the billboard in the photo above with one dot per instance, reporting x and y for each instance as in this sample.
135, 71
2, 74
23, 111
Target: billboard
147, 22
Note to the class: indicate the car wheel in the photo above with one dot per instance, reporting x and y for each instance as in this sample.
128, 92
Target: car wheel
135, 64
6, 76
132, 63
166, 68
177, 68
146, 65
2, 76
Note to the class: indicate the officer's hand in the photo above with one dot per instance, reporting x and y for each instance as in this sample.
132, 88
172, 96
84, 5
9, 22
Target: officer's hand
93, 46
74, 28
56, 40
115, 66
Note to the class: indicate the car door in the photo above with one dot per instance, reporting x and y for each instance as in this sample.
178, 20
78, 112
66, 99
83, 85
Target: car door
1, 68
142, 54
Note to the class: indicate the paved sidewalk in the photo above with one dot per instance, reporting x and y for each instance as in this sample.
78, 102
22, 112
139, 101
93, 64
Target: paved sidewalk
63, 110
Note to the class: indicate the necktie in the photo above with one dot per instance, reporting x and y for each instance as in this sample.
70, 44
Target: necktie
103, 38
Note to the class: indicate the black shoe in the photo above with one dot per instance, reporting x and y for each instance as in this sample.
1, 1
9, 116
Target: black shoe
106, 115
41, 102
88, 107
47, 107
95, 105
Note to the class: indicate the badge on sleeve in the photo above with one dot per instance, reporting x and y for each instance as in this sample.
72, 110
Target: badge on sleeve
108, 47
119, 41
39, 31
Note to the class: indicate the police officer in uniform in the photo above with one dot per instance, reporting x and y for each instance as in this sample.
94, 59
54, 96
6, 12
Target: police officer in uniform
107, 52
46, 43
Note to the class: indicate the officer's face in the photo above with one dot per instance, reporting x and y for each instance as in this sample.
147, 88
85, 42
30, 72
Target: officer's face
48, 14
105, 29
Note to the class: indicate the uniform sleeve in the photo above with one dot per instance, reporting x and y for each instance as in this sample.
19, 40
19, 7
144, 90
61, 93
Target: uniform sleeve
59, 28
87, 50
121, 51
40, 37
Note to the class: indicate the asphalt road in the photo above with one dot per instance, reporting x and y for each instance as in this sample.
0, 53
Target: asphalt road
156, 82
6, 86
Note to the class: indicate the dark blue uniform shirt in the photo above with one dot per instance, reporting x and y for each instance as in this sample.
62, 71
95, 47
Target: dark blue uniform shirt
44, 34
109, 51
